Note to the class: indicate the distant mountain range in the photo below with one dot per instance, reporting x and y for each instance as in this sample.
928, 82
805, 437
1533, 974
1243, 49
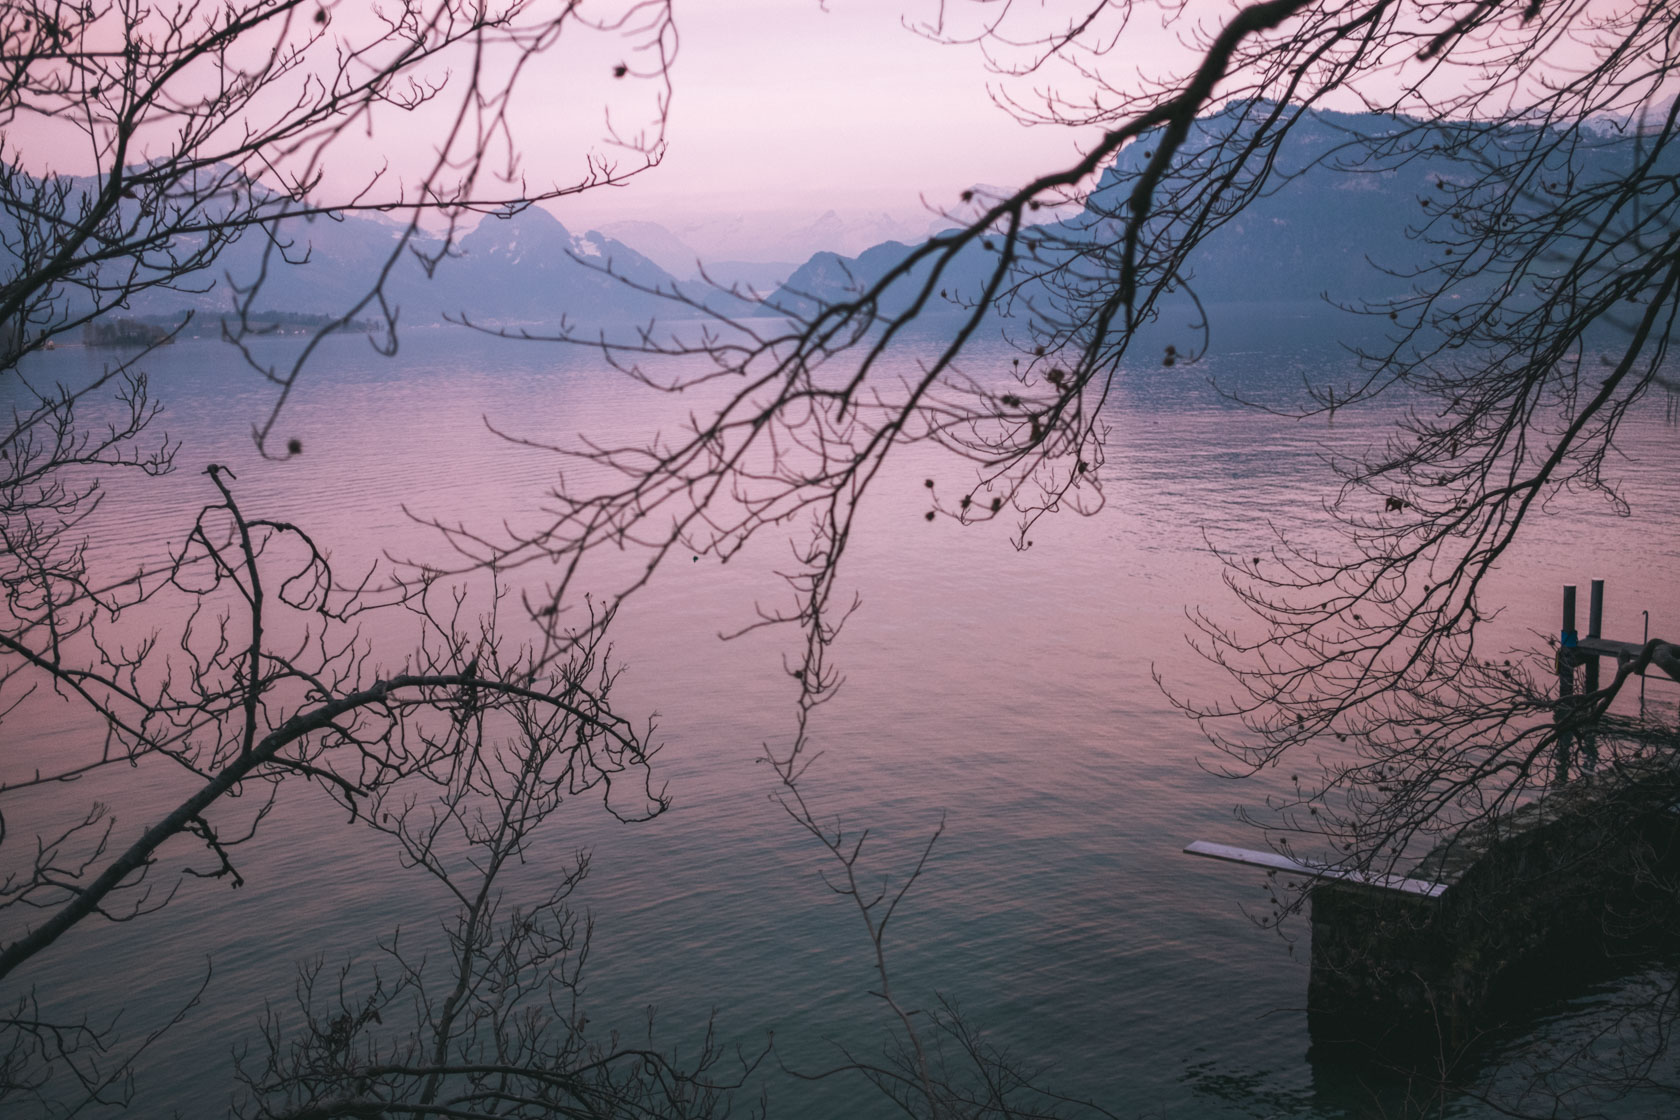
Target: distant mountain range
1319, 232
527, 269
757, 246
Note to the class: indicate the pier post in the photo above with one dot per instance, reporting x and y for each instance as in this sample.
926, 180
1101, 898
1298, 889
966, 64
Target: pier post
1595, 629
1566, 684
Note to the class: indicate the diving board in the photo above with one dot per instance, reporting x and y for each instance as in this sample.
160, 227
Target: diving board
1278, 862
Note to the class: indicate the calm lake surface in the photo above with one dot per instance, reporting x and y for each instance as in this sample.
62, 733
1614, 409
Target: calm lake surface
1010, 693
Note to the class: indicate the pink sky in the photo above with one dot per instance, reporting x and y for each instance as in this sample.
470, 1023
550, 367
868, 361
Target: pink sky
782, 105
789, 106
779, 107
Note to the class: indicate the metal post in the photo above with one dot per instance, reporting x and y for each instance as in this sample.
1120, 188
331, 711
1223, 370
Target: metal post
1595, 629
1644, 637
1566, 683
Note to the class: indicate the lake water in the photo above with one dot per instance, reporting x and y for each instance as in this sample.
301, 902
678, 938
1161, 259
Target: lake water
1010, 692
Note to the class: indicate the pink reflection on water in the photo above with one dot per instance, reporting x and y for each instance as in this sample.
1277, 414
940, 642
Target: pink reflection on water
1011, 690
